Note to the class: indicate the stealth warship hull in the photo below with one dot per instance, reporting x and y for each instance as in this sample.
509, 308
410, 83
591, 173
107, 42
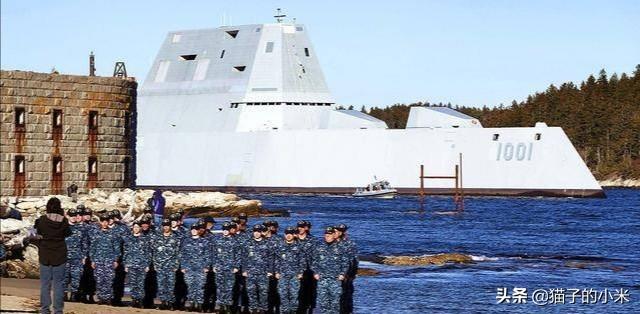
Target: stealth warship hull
247, 109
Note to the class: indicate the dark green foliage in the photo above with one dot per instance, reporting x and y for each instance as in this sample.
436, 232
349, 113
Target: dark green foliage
601, 117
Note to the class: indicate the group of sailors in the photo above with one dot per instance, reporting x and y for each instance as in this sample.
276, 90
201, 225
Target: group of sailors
236, 270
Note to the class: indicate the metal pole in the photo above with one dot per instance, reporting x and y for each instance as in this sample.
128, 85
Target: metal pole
422, 187
456, 198
461, 187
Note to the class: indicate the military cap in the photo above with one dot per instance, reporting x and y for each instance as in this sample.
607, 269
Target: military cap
341, 227
290, 230
166, 222
104, 216
81, 208
233, 225
243, 216
226, 226
115, 214
175, 217
267, 223
307, 223
145, 221
209, 220
259, 228
274, 223
180, 211
136, 222
301, 224
73, 212
329, 230
235, 220
86, 210
195, 226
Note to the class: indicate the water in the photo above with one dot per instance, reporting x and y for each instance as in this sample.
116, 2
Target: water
533, 243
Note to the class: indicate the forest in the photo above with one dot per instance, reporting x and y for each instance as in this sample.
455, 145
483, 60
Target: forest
601, 116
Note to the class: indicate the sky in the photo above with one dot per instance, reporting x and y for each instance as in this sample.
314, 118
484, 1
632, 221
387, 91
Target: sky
373, 53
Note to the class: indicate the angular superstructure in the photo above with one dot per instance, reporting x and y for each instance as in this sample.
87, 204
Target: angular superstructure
247, 108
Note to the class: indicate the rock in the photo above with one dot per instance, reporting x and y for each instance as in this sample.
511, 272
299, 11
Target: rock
368, 272
437, 259
12, 225
29, 267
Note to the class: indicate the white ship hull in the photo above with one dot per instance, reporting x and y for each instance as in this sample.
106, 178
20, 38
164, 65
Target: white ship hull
338, 161
246, 108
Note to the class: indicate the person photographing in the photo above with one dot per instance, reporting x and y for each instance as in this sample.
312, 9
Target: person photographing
52, 229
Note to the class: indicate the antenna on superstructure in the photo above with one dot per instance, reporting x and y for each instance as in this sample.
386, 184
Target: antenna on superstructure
279, 15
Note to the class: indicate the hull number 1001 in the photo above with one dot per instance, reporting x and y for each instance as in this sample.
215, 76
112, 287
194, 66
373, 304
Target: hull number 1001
509, 151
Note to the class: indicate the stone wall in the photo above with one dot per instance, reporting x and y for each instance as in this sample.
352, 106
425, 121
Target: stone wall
63, 129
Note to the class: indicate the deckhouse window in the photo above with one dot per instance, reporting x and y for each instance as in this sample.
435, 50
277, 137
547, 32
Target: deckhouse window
538, 136
188, 57
232, 33
496, 137
306, 52
239, 68
269, 47
176, 38
222, 54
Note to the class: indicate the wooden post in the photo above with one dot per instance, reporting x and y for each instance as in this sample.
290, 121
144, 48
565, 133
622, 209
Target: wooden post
421, 187
461, 187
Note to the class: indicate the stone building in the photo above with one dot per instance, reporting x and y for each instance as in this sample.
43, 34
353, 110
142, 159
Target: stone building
59, 130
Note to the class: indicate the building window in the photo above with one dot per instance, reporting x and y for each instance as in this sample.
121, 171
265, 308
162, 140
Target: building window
176, 38
19, 165
306, 52
56, 118
21, 116
222, 54
269, 47
496, 137
93, 120
233, 33
92, 167
188, 57
239, 68
538, 136
299, 28
56, 165
258, 30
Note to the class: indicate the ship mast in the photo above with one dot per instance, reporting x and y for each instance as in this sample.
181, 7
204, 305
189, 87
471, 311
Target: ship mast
279, 15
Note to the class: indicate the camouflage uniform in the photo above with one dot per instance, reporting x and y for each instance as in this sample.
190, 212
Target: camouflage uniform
77, 248
137, 257
256, 262
165, 261
349, 250
87, 279
225, 256
329, 264
194, 259
289, 264
121, 232
103, 252
308, 283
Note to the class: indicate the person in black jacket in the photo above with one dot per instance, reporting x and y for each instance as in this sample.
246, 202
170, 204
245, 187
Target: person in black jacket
52, 229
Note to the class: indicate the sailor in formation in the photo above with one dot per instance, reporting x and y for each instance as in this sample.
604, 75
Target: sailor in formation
228, 271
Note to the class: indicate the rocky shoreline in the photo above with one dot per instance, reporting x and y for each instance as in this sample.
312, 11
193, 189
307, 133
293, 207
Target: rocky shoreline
23, 262
620, 182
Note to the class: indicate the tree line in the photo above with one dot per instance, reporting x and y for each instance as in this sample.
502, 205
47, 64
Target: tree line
601, 116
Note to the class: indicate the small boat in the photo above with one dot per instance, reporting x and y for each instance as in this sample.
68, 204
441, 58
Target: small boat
377, 189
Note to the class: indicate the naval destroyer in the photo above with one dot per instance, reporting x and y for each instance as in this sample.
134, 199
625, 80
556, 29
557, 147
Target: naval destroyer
246, 108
